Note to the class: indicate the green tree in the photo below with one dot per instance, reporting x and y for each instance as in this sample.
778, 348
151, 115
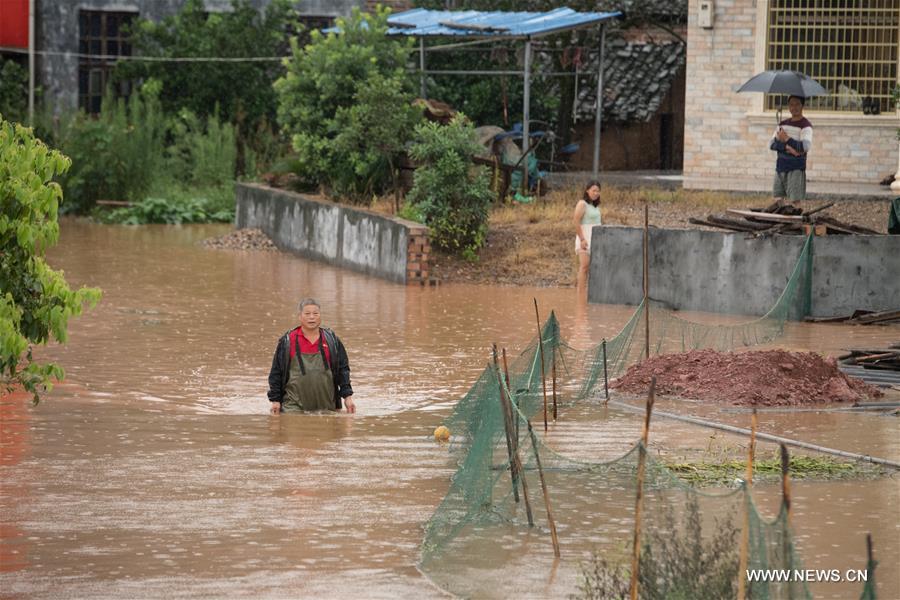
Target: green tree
35, 301
452, 194
377, 128
13, 90
242, 90
323, 80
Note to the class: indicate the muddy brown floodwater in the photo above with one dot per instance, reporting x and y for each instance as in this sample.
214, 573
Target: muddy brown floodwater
154, 470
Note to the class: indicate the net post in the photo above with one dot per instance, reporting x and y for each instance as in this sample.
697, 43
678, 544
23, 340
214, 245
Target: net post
553, 380
639, 496
541, 349
646, 280
745, 534
605, 374
511, 398
537, 458
513, 472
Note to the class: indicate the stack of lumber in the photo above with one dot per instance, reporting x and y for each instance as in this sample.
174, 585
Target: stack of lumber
861, 317
782, 218
887, 359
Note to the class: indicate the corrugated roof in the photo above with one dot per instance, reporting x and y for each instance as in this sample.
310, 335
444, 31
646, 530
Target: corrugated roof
420, 22
636, 77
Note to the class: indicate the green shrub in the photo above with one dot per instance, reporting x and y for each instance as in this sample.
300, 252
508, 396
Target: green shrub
36, 303
116, 155
201, 155
676, 563
13, 90
324, 80
451, 193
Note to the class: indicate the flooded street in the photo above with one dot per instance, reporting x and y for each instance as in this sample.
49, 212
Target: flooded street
155, 469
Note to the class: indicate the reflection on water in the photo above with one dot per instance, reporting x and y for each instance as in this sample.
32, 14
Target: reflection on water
156, 470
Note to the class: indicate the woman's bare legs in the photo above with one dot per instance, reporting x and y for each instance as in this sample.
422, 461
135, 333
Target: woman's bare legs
584, 263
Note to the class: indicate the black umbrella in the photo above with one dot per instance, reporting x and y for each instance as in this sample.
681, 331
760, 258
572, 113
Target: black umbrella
791, 83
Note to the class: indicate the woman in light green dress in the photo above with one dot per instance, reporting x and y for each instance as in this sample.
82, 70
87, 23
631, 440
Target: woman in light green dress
587, 216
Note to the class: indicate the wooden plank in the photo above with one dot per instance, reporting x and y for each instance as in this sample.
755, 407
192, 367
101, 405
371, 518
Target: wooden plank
739, 225
849, 227
749, 214
874, 317
694, 221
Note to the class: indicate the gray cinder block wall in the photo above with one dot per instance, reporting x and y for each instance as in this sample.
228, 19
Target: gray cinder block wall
375, 244
728, 273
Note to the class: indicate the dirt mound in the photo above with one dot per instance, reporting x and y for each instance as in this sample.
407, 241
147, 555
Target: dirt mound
759, 378
241, 239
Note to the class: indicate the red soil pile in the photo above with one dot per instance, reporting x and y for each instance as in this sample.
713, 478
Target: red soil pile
759, 378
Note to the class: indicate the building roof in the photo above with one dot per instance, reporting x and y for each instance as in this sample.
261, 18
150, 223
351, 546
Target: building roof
420, 22
636, 78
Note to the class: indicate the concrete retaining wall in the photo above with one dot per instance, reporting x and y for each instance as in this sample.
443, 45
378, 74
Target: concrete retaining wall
724, 272
340, 235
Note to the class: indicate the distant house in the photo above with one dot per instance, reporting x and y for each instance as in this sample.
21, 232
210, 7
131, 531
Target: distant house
850, 48
77, 41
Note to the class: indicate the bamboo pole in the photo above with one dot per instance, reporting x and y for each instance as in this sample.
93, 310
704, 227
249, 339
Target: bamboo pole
514, 475
512, 399
745, 534
605, 375
786, 503
646, 281
541, 347
537, 458
639, 496
553, 379
506, 400
786, 480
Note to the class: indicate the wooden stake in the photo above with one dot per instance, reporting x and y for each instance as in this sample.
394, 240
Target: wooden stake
543, 372
506, 400
512, 398
514, 475
642, 459
745, 534
605, 375
537, 458
786, 480
553, 379
786, 501
646, 281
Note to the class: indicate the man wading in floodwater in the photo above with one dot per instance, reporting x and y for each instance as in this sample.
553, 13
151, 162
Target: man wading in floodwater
310, 370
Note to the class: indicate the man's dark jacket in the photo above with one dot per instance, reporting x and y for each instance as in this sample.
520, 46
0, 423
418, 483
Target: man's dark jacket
340, 367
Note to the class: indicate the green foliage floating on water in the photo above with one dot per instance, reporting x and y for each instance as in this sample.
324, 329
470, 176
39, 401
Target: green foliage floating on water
35, 301
725, 472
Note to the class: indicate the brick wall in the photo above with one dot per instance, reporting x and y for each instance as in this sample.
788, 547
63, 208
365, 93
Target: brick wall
396, 6
418, 250
726, 135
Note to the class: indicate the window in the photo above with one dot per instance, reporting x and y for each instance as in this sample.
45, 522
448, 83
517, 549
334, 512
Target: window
101, 35
849, 46
312, 23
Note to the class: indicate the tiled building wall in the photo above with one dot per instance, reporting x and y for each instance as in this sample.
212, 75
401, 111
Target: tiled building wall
726, 136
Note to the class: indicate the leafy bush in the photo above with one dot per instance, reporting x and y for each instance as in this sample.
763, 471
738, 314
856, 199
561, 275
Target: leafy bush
36, 303
324, 80
116, 155
374, 132
676, 563
13, 90
452, 194
201, 155
242, 89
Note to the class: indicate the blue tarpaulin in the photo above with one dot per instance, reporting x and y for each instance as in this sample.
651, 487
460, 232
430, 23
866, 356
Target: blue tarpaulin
420, 22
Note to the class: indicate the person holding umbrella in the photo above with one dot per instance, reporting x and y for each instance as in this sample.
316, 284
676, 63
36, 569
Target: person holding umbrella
793, 137
792, 141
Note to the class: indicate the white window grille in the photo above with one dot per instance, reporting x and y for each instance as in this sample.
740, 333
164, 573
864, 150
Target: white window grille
851, 47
